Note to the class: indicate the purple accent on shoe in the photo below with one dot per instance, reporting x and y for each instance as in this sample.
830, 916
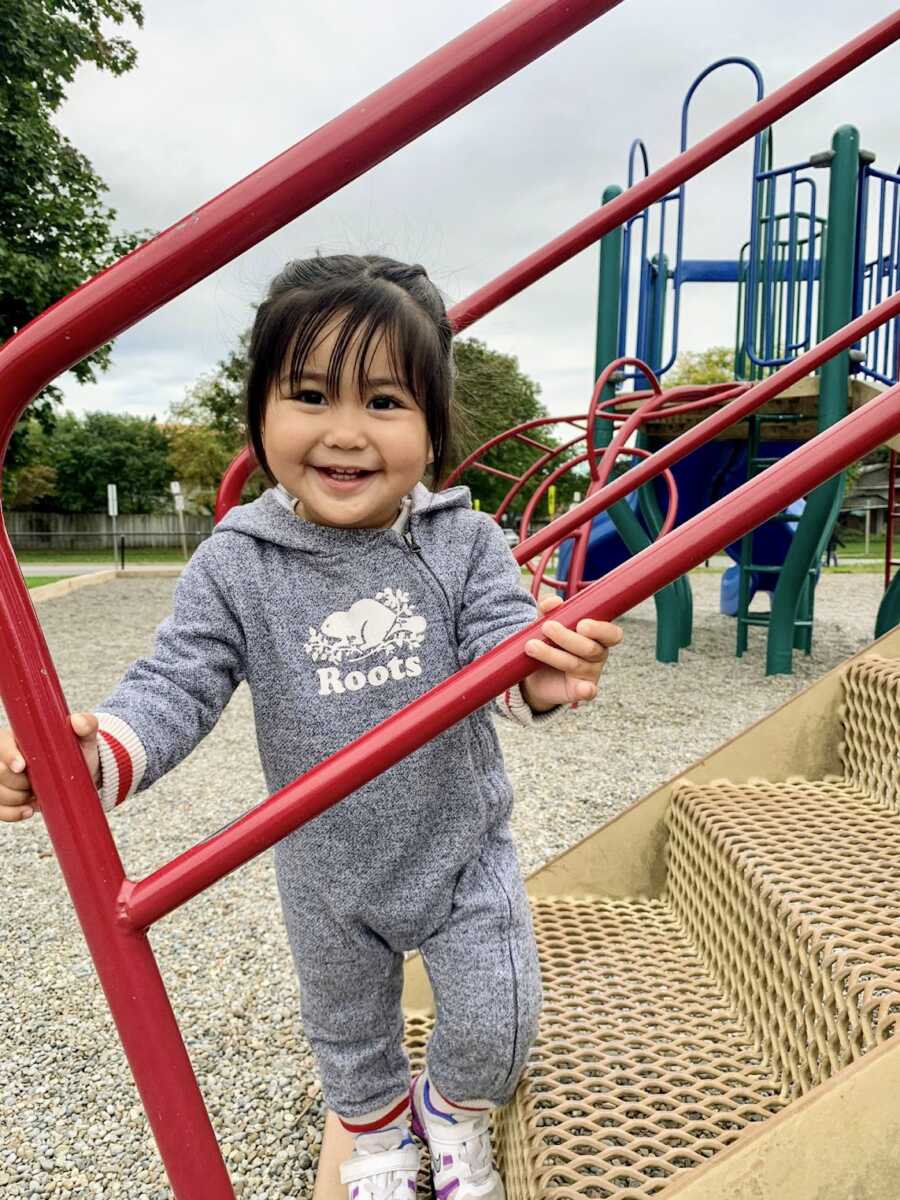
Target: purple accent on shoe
436, 1112
412, 1184
416, 1125
354, 1193
407, 1141
448, 1160
444, 1192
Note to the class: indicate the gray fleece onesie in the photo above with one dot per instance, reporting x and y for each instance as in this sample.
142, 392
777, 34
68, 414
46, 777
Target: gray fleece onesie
335, 629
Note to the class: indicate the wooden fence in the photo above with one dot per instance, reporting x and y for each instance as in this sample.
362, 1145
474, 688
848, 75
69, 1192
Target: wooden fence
94, 531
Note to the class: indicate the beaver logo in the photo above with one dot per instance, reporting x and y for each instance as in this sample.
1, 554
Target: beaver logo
379, 626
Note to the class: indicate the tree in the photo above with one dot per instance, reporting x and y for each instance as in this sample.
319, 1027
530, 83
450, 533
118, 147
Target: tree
715, 365
35, 480
208, 429
199, 456
55, 230
493, 395
100, 448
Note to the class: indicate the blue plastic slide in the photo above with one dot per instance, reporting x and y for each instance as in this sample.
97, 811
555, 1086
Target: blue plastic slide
702, 478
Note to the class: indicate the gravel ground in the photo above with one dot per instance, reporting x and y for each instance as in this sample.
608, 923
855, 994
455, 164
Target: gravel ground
71, 1124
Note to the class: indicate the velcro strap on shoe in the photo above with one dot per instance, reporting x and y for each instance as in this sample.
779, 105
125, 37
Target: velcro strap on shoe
455, 1135
364, 1166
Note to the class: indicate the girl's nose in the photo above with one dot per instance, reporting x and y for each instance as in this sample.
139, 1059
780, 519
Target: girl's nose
345, 430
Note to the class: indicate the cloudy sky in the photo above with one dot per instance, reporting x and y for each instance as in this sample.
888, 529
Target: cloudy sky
222, 87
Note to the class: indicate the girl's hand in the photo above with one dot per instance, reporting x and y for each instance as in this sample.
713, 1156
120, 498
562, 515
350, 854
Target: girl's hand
17, 801
574, 664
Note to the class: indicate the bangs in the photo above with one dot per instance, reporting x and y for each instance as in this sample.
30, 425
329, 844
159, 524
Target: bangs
365, 322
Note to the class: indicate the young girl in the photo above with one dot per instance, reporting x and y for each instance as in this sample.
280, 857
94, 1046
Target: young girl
342, 594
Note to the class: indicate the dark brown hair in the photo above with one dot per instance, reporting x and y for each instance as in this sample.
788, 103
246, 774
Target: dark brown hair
378, 297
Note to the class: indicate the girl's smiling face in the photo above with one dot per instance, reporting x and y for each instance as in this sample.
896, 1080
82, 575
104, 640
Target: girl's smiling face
349, 456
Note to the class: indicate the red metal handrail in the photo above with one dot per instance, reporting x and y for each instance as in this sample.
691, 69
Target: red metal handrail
637, 579
162, 269
142, 903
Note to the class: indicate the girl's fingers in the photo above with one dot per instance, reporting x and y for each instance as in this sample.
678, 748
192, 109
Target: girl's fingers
14, 781
581, 689
562, 660
84, 724
584, 648
16, 811
601, 631
13, 760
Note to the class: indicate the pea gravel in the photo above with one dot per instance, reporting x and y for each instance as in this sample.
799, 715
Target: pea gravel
71, 1124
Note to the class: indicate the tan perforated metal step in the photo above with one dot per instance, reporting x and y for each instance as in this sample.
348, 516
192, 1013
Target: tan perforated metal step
870, 717
791, 893
641, 1068
772, 961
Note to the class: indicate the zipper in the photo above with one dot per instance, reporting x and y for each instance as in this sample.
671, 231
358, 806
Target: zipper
408, 537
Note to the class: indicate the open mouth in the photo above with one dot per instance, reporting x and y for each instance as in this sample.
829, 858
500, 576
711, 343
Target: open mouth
344, 477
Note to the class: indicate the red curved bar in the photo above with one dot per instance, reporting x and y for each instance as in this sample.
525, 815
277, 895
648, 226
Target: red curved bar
708, 395
575, 579
239, 471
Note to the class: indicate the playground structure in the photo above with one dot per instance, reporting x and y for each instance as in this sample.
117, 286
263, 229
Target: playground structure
803, 271
712, 1028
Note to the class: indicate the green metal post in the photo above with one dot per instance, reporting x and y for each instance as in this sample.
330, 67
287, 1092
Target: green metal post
889, 609
647, 496
824, 503
668, 615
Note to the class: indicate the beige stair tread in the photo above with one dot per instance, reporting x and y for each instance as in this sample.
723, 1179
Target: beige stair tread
791, 891
641, 1069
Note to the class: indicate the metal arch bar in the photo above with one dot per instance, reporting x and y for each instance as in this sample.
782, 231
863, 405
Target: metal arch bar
684, 167
731, 61
666, 364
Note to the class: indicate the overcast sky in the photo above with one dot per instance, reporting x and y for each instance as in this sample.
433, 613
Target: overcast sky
221, 87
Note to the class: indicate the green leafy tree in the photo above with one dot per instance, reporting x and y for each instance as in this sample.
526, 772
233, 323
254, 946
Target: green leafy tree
55, 230
208, 429
90, 452
715, 365
199, 456
493, 395
35, 480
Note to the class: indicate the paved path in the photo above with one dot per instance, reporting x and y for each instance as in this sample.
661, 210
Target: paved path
76, 568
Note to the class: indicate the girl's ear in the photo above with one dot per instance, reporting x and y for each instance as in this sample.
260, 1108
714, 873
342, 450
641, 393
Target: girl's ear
430, 458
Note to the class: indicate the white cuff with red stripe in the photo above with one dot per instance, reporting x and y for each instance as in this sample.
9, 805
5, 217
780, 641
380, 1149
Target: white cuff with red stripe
123, 760
514, 705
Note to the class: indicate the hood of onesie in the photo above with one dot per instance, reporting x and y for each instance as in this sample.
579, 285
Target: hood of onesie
268, 520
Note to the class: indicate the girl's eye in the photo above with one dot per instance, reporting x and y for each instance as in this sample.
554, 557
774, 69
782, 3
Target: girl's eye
384, 403
310, 396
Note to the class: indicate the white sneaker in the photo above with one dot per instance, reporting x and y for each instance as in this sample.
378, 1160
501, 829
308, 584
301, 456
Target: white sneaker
383, 1166
460, 1145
